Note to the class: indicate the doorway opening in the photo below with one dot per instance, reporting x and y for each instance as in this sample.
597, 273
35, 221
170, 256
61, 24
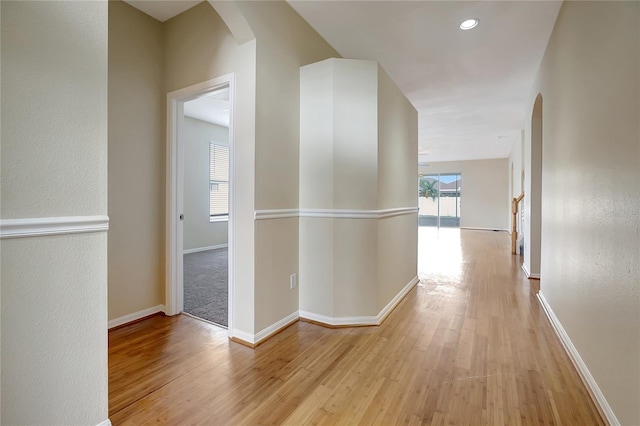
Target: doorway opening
200, 194
205, 140
439, 200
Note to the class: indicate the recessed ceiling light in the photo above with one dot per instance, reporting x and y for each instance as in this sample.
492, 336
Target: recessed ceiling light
468, 24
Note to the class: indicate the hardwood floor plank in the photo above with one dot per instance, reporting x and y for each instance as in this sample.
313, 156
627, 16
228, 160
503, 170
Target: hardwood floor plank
470, 345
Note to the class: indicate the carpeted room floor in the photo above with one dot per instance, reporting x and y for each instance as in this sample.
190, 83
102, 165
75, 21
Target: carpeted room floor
205, 285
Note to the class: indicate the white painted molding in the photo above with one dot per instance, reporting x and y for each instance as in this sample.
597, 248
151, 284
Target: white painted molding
396, 212
105, 423
573, 353
474, 228
363, 320
243, 335
397, 299
275, 214
199, 249
257, 338
174, 286
340, 321
334, 213
135, 316
529, 275
274, 328
44, 226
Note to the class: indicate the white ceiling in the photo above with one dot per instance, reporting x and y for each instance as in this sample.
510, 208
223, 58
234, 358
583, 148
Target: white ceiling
212, 107
469, 87
163, 10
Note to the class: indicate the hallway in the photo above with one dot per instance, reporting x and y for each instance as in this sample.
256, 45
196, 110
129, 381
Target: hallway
469, 345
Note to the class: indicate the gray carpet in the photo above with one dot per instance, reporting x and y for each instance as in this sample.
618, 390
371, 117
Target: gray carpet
205, 285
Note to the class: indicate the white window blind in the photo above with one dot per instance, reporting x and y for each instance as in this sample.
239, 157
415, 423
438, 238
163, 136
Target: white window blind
218, 180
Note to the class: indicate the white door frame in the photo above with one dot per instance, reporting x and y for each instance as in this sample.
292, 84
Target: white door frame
174, 290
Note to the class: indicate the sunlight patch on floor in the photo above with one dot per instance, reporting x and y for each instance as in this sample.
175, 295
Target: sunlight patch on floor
439, 254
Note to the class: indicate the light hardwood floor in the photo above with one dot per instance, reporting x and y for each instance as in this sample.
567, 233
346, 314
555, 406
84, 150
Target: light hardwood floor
470, 345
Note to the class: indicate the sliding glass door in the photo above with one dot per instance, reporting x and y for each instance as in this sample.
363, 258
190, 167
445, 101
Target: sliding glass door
439, 200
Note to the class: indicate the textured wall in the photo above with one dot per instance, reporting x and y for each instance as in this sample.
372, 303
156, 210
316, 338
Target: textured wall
50, 80
284, 43
136, 161
591, 191
397, 262
54, 163
358, 152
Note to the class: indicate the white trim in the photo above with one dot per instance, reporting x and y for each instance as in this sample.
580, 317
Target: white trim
219, 219
474, 228
275, 214
135, 316
573, 353
334, 213
199, 249
398, 298
340, 321
363, 320
340, 213
174, 287
382, 214
43, 226
105, 423
525, 268
257, 338
243, 335
276, 327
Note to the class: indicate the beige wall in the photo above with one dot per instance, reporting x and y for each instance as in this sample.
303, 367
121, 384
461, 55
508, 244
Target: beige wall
136, 161
397, 255
484, 193
591, 191
284, 42
198, 230
197, 47
358, 152
213, 52
533, 188
54, 163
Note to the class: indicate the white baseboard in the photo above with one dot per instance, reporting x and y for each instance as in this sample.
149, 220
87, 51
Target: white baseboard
105, 423
363, 320
528, 274
474, 228
135, 316
199, 249
255, 339
274, 328
397, 299
242, 335
340, 321
573, 353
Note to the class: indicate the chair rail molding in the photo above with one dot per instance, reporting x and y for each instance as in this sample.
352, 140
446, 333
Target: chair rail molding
45, 226
334, 213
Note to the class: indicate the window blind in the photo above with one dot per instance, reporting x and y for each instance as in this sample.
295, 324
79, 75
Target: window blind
218, 180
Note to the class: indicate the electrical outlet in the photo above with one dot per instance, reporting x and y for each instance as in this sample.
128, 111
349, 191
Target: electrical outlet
293, 281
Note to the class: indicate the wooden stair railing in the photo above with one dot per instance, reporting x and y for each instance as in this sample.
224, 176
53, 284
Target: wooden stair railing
514, 228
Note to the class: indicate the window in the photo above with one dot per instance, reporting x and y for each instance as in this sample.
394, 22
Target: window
218, 181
